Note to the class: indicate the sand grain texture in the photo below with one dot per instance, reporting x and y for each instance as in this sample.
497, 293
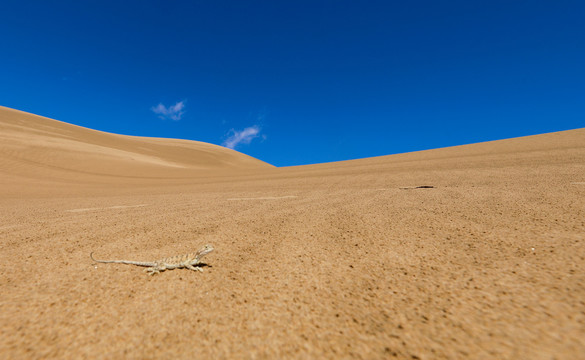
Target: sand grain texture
324, 261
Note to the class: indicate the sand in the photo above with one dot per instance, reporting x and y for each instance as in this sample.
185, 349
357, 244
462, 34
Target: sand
338, 260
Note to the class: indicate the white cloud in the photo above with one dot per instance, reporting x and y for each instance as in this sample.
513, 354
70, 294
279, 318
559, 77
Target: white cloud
241, 137
174, 112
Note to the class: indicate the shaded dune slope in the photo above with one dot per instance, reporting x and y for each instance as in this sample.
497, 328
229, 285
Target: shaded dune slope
35, 147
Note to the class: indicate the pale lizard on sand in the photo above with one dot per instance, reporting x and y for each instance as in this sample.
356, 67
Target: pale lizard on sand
175, 262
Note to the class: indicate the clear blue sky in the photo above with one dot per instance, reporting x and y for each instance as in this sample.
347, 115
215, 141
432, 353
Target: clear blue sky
299, 82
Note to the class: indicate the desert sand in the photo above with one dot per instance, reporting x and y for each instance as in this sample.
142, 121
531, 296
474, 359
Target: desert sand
341, 260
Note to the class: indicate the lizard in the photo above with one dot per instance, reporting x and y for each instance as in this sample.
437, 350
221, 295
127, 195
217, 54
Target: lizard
174, 262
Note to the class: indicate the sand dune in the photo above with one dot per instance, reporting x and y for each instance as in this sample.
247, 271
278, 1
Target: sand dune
351, 259
38, 150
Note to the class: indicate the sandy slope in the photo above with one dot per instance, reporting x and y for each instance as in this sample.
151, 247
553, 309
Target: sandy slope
39, 150
339, 260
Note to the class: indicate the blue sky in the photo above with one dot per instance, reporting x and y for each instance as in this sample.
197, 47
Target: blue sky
300, 82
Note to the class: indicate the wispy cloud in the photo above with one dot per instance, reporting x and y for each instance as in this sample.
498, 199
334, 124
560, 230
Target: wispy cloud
174, 112
241, 137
